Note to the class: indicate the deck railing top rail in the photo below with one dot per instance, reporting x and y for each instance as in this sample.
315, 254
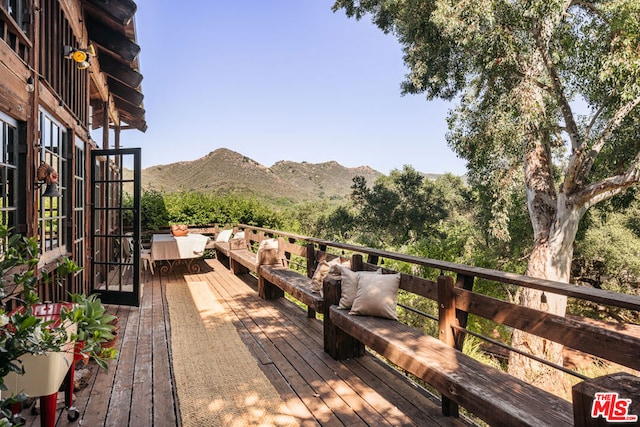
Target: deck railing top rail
600, 296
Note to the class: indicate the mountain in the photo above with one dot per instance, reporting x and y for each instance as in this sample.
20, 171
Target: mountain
224, 171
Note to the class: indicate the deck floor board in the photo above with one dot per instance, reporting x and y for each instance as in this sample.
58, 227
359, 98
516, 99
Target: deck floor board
139, 388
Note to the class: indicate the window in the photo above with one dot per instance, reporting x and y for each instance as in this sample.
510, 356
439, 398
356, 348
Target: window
51, 210
79, 213
18, 9
8, 171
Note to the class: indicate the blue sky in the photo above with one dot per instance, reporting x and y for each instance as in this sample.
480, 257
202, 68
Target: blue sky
280, 80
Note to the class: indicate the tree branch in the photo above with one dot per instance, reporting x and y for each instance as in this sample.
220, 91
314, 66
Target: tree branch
576, 164
608, 187
596, 115
557, 90
582, 160
611, 126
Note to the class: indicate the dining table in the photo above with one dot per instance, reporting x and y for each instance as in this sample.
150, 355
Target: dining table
174, 249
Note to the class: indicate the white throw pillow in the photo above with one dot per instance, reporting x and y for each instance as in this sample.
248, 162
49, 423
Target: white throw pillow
377, 295
239, 235
268, 244
224, 236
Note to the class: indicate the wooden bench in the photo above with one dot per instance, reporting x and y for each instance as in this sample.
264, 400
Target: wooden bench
237, 255
494, 396
274, 281
222, 250
242, 261
488, 392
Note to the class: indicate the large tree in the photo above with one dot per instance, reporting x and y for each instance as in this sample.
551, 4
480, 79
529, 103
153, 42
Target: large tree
519, 70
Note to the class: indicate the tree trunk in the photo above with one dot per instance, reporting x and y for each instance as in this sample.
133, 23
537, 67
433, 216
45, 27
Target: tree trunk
550, 259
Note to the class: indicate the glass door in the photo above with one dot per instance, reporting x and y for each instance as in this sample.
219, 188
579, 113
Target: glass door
115, 228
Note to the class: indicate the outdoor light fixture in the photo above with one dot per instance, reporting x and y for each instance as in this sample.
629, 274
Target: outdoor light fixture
48, 175
30, 84
80, 56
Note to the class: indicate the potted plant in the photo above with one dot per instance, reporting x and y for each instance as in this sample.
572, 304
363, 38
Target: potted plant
21, 332
96, 328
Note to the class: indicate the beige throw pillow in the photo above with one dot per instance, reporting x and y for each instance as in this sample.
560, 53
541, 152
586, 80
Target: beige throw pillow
322, 270
318, 276
268, 252
377, 295
349, 286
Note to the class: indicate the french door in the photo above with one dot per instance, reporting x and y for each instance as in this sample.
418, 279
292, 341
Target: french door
115, 228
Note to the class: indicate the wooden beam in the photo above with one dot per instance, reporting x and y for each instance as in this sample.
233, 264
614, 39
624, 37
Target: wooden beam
126, 107
125, 92
135, 122
120, 11
98, 79
111, 41
105, 128
14, 98
98, 112
120, 71
599, 296
96, 119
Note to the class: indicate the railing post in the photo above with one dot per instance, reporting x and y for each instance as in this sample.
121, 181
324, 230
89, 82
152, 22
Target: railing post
311, 268
266, 289
619, 401
372, 259
337, 343
287, 255
311, 259
465, 282
356, 263
446, 321
446, 309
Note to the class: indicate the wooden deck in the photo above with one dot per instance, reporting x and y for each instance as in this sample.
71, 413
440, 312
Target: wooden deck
138, 389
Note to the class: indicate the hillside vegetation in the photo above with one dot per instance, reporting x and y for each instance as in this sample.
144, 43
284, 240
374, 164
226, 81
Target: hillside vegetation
225, 172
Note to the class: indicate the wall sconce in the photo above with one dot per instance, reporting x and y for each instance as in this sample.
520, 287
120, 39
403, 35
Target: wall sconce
80, 56
48, 175
30, 84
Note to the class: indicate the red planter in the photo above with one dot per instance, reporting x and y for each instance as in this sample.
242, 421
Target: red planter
78, 355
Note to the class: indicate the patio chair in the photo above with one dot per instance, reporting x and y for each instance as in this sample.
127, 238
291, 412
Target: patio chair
147, 260
145, 254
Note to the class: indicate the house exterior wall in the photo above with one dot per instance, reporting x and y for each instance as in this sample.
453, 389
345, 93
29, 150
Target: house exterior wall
45, 115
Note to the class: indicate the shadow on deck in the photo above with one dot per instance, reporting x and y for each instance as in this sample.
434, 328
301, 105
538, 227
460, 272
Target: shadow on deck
139, 389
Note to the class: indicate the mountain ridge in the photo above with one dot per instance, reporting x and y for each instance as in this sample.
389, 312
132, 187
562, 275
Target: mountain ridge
224, 171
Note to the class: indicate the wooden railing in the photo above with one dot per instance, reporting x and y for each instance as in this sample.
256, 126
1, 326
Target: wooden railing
467, 272
13, 35
619, 345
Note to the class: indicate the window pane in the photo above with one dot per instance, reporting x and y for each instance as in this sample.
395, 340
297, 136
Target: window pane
52, 212
8, 171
